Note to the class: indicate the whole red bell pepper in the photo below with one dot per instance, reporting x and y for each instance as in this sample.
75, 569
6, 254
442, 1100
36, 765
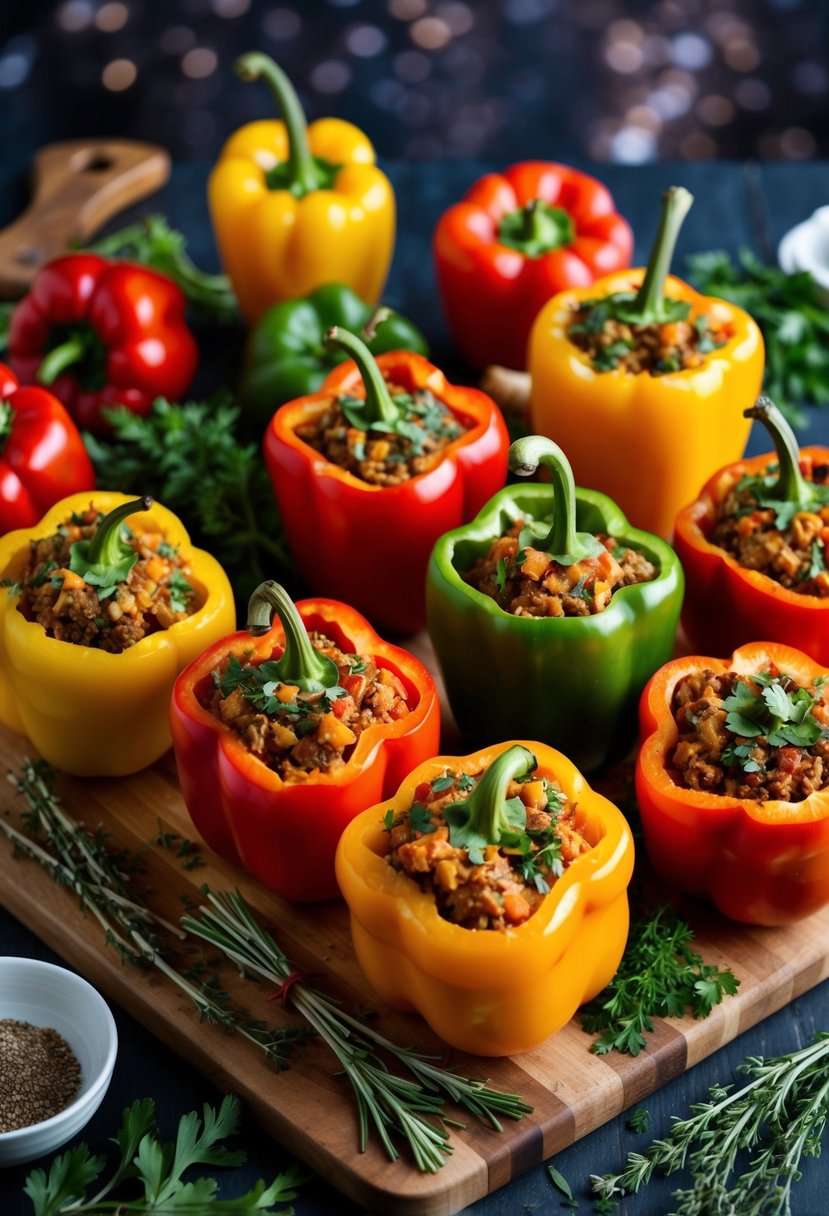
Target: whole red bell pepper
286, 833
42, 456
367, 543
515, 240
102, 334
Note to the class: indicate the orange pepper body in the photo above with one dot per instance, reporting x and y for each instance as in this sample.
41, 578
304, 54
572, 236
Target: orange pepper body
726, 604
484, 991
646, 441
286, 834
765, 863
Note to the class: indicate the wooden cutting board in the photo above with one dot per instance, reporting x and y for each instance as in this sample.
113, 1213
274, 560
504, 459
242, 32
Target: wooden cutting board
307, 1108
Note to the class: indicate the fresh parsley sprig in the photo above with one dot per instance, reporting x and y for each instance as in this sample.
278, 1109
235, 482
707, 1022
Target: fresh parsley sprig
781, 712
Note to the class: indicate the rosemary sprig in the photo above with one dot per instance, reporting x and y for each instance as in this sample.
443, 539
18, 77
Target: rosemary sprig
779, 1116
385, 1100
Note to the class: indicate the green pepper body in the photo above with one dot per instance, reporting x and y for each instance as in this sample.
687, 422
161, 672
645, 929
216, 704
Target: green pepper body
286, 356
572, 682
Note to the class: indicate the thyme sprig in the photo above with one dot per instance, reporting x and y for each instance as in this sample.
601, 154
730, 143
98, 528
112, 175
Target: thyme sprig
386, 1101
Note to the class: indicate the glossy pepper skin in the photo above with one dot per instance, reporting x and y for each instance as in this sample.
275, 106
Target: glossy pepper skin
488, 992
368, 543
516, 239
286, 354
647, 441
86, 711
765, 863
727, 604
295, 207
286, 834
102, 334
42, 456
575, 681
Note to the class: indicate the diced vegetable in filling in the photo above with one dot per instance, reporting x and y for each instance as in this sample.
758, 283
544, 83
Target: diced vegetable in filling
527, 582
774, 537
511, 881
656, 348
302, 734
762, 736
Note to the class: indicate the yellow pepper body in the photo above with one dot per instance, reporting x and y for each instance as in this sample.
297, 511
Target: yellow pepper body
648, 442
87, 711
484, 991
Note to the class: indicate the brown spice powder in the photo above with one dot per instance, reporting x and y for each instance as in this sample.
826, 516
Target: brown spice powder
39, 1074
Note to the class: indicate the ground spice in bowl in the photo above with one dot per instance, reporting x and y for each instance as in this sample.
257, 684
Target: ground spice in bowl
39, 1074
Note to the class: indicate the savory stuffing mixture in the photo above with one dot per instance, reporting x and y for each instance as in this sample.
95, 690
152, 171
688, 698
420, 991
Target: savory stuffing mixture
527, 582
762, 736
380, 456
155, 594
504, 885
775, 538
302, 734
673, 346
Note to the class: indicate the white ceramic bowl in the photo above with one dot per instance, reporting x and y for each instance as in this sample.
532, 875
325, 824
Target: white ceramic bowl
45, 995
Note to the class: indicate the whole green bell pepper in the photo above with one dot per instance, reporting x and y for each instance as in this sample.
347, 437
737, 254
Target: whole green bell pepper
573, 681
286, 354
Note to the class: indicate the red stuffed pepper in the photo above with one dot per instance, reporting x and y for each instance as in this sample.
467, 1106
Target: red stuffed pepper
284, 733
372, 469
42, 456
102, 334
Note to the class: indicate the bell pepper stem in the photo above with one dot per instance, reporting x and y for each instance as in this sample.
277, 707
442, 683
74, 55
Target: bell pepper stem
379, 406
59, 358
562, 542
485, 805
369, 331
791, 484
301, 663
676, 203
106, 546
255, 66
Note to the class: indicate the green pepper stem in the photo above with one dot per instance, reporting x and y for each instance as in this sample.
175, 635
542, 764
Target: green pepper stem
563, 543
792, 486
6, 423
485, 805
301, 663
379, 406
59, 358
255, 66
648, 305
106, 548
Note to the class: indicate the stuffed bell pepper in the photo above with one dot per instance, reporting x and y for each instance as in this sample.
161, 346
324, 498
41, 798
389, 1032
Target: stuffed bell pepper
369, 471
294, 206
732, 781
754, 547
490, 895
550, 612
644, 382
102, 604
285, 732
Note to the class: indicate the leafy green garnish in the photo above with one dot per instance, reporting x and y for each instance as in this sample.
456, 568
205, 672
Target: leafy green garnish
501, 575
420, 819
180, 591
782, 712
463, 835
639, 1120
443, 783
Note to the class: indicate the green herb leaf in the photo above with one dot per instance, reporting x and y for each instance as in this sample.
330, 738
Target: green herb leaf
440, 784
501, 575
180, 591
420, 819
559, 1182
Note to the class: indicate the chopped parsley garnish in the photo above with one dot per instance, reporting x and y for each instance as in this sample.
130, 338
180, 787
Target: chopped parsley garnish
258, 684
764, 490
422, 416
501, 575
420, 819
357, 664
165, 549
782, 712
443, 783
465, 782
180, 591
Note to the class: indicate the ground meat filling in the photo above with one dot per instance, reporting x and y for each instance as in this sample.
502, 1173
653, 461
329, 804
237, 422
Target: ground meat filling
299, 734
509, 887
674, 346
789, 547
385, 457
710, 710
527, 582
155, 595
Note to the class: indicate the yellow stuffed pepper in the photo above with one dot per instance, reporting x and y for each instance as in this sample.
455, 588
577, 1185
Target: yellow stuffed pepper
294, 207
490, 895
643, 382
103, 603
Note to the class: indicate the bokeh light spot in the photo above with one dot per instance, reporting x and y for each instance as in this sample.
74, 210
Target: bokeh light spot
119, 75
199, 62
331, 76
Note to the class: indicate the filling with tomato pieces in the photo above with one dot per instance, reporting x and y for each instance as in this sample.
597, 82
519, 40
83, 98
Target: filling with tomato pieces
302, 734
485, 886
112, 610
655, 347
760, 736
776, 538
528, 582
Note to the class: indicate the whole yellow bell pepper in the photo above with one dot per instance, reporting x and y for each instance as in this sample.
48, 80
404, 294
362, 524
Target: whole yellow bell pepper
294, 207
87, 711
482, 990
647, 441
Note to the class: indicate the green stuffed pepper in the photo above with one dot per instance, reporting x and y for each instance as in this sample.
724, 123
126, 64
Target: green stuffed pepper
546, 632
286, 355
